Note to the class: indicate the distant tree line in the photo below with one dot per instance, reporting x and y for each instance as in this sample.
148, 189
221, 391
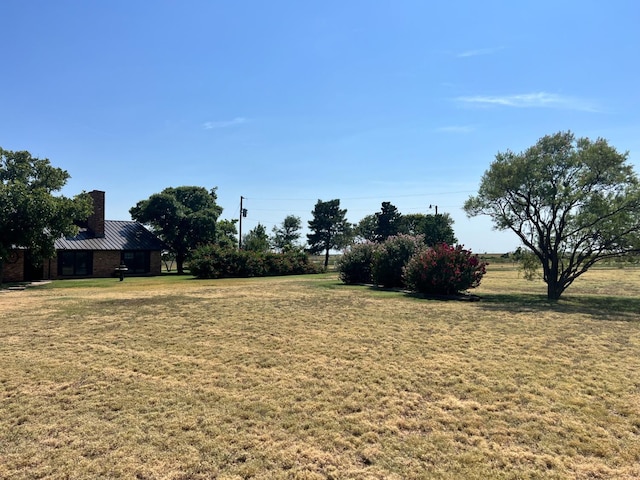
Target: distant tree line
187, 218
571, 201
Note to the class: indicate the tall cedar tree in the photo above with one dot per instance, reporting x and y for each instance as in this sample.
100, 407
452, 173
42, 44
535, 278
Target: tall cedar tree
329, 229
388, 222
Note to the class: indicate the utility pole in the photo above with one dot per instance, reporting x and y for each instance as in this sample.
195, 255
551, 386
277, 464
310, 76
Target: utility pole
240, 226
431, 206
243, 213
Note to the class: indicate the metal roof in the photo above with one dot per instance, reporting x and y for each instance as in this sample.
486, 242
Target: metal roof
118, 235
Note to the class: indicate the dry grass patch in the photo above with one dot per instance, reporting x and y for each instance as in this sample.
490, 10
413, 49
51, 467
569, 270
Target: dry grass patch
301, 377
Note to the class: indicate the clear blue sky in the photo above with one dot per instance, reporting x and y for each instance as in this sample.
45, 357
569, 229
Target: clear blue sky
286, 102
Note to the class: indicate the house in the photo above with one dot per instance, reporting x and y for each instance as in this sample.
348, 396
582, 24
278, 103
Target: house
100, 247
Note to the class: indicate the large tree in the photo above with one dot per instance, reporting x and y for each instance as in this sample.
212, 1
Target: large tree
227, 233
31, 217
365, 229
329, 228
436, 228
183, 217
388, 222
287, 234
572, 202
256, 240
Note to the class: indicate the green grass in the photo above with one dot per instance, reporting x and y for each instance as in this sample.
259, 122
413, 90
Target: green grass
302, 377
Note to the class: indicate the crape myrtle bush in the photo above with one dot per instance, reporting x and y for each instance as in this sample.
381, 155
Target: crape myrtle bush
444, 269
213, 261
391, 256
404, 261
356, 262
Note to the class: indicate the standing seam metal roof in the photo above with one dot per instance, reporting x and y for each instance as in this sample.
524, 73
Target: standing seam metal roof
118, 235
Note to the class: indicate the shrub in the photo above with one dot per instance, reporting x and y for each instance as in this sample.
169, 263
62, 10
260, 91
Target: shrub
206, 262
355, 264
444, 269
290, 262
213, 261
390, 258
529, 263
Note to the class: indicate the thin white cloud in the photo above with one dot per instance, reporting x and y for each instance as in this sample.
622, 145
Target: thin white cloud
530, 100
456, 129
478, 52
224, 123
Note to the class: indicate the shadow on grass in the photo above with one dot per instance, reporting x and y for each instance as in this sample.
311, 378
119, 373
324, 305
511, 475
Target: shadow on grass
599, 307
621, 308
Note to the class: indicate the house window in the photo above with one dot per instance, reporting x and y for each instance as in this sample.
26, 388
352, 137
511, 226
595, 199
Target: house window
137, 261
75, 263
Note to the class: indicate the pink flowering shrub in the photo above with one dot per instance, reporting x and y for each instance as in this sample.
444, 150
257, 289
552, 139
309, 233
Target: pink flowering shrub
444, 270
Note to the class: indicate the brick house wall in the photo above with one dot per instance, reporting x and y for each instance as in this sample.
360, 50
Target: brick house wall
13, 271
156, 263
106, 239
104, 264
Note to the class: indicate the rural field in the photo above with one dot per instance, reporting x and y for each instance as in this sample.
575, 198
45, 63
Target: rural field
305, 378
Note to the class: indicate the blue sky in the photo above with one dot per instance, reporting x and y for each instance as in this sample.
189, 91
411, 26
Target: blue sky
286, 102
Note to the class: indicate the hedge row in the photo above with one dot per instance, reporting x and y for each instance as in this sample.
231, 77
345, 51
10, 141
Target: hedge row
212, 261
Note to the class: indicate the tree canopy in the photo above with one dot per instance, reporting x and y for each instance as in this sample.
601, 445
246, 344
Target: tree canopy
183, 217
227, 233
388, 222
572, 202
365, 229
287, 234
31, 217
329, 228
256, 240
435, 229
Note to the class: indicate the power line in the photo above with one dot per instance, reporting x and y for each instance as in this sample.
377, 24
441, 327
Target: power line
364, 198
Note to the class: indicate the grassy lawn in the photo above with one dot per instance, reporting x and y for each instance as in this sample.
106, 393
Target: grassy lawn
304, 378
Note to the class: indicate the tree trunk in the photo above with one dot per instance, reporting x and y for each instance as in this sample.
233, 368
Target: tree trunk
554, 286
552, 273
554, 290
180, 263
326, 259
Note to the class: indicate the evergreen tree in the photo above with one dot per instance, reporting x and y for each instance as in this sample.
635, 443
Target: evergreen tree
329, 228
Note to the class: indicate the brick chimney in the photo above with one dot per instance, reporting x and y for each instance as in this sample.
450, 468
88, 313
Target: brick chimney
95, 222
